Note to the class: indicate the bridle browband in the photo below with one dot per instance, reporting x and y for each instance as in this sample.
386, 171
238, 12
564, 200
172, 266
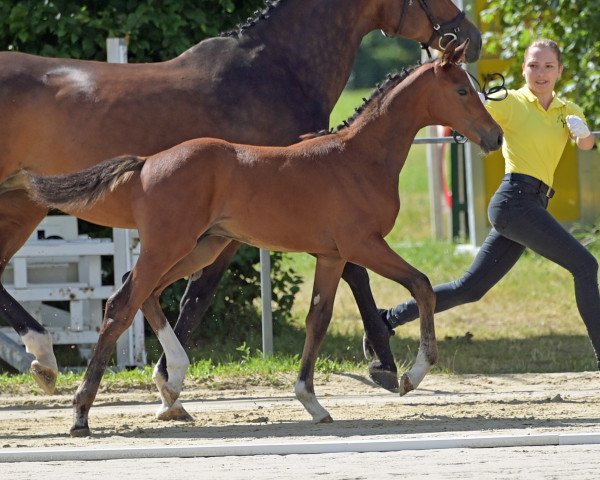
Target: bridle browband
446, 32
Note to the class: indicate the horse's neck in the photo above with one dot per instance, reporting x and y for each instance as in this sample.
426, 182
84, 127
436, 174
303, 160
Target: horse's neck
315, 41
388, 129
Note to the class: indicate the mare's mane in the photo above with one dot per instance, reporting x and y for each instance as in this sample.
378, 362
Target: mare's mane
257, 16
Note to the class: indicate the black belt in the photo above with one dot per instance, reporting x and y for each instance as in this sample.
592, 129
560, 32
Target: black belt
521, 177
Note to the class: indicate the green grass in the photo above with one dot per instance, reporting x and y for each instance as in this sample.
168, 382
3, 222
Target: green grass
527, 323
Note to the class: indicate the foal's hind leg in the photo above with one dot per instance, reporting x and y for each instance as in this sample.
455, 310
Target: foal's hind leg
376, 255
18, 218
170, 385
383, 371
169, 379
327, 277
155, 260
194, 303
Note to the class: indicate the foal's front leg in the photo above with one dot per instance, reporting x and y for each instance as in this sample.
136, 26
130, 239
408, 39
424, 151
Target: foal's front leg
376, 255
327, 277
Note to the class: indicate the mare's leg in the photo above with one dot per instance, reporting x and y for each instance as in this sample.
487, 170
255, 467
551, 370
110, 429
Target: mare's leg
168, 379
154, 262
195, 301
383, 371
327, 277
376, 255
18, 218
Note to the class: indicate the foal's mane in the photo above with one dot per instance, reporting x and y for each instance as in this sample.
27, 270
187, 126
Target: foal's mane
257, 16
391, 80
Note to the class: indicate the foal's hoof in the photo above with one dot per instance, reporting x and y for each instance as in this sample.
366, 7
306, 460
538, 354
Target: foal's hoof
174, 412
383, 376
405, 385
168, 394
80, 431
44, 376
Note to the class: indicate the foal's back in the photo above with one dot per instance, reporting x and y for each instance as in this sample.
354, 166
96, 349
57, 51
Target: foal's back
295, 198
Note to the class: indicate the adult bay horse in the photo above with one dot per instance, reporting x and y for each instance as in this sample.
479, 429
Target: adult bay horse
266, 83
333, 195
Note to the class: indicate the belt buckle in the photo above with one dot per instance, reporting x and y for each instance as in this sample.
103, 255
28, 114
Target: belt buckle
550, 192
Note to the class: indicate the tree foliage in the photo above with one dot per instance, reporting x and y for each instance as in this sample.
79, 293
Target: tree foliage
574, 25
156, 29
378, 56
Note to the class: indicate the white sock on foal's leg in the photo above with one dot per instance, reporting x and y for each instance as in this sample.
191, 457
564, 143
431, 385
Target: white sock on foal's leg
177, 365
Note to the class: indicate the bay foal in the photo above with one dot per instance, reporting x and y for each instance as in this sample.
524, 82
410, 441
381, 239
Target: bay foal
265, 83
334, 195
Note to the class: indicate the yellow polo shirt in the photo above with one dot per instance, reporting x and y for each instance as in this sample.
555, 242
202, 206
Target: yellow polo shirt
534, 138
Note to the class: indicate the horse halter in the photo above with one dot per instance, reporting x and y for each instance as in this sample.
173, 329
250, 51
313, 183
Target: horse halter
446, 32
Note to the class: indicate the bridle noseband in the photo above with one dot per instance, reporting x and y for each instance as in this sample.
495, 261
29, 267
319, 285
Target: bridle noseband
446, 32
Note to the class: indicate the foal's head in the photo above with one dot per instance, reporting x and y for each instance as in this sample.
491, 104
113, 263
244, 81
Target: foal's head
453, 101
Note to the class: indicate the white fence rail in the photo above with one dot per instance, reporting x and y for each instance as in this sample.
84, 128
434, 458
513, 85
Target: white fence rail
58, 265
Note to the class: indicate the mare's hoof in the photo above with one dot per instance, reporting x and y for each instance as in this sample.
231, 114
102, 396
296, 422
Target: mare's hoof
326, 419
174, 412
385, 377
80, 431
405, 385
44, 376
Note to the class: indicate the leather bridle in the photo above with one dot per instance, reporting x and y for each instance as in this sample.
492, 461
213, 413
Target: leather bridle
446, 32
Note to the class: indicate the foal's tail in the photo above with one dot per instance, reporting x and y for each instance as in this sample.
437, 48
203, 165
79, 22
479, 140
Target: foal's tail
80, 190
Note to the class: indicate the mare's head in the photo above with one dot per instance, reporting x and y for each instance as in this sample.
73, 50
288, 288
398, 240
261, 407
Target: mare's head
434, 23
452, 101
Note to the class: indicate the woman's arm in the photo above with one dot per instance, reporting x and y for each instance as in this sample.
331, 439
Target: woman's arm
586, 143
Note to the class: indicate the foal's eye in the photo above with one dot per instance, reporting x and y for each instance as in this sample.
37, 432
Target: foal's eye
462, 92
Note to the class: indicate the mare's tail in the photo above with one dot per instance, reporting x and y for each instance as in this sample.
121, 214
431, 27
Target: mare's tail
80, 190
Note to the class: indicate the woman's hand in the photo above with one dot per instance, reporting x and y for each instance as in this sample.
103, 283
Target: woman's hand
577, 126
580, 131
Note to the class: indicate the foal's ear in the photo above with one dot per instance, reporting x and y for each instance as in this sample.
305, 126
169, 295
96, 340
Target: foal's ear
460, 52
454, 53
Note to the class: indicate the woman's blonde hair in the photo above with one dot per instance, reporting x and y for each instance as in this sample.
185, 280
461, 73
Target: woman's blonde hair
544, 42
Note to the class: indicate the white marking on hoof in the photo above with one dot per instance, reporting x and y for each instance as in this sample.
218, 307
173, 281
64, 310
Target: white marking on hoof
45, 377
44, 368
416, 374
174, 412
311, 404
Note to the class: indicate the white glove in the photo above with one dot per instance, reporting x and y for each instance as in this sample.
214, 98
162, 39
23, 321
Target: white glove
577, 126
